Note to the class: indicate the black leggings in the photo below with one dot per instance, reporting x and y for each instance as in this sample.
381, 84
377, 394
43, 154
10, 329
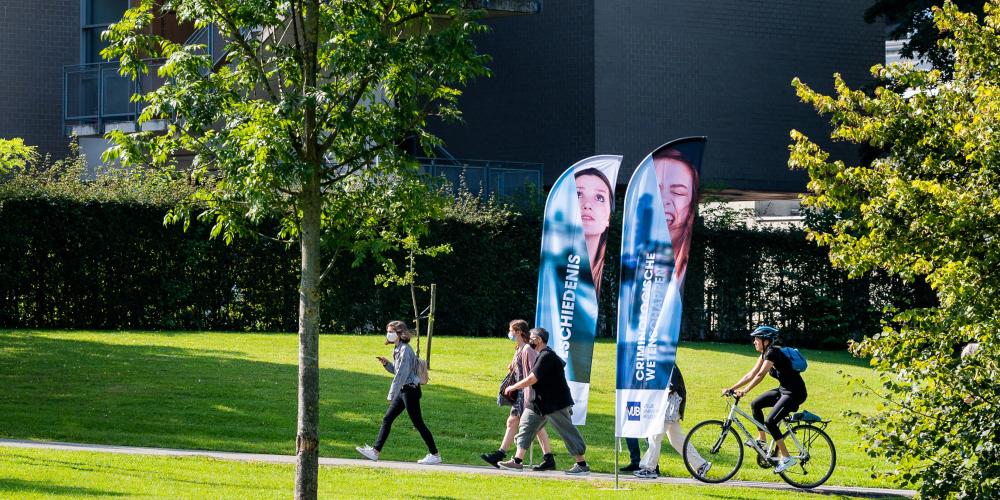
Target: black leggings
409, 398
781, 402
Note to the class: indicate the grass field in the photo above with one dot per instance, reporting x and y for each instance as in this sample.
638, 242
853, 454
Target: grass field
32, 473
237, 392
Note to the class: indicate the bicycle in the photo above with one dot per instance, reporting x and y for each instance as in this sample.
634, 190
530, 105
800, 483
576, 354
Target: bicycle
804, 437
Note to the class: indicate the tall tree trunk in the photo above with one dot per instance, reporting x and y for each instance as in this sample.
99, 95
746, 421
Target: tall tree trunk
307, 439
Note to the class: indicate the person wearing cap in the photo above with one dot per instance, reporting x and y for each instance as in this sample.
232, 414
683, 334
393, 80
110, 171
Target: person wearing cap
783, 400
552, 403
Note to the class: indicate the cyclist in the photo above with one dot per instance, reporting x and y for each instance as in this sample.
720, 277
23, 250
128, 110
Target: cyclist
783, 400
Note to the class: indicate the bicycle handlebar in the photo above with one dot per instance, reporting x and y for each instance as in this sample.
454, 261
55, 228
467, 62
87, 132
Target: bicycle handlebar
731, 394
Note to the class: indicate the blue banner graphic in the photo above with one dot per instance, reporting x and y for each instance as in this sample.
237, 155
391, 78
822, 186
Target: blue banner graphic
574, 241
660, 206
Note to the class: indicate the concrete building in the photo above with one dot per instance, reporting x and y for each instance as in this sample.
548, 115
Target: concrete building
578, 78
54, 84
588, 77
36, 40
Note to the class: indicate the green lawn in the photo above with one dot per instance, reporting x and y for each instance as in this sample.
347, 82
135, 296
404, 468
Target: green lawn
29, 473
237, 392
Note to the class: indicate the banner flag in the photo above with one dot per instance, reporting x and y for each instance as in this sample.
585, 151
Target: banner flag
660, 205
574, 238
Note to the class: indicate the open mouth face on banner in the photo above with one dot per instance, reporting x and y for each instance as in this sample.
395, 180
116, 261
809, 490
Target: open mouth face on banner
574, 243
658, 218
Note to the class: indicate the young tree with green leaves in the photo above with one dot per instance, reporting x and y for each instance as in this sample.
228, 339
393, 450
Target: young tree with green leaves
928, 208
301, 122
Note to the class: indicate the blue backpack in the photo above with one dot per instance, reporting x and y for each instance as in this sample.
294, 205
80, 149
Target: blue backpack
799, 363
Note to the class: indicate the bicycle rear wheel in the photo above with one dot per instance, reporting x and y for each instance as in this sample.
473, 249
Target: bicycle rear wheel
816, 457
716, 443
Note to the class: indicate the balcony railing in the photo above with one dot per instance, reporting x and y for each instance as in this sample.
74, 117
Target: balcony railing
510, 180
97, 99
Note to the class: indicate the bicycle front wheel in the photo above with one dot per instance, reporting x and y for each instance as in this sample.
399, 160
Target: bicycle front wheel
713, 452
816, 457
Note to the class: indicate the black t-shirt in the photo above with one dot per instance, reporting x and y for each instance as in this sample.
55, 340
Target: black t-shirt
551, 391
789, 379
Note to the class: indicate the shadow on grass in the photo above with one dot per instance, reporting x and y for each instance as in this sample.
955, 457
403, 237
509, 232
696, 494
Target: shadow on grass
16, 487
84, 391
141, 473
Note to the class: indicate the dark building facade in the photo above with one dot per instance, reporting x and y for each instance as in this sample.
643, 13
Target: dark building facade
37, 38
588, 77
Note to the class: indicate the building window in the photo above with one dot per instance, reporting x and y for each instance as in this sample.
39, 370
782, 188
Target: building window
96, 16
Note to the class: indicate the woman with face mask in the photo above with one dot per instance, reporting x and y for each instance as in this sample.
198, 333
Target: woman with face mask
404, 393
524, 359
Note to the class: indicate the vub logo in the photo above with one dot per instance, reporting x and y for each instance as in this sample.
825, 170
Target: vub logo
634, 410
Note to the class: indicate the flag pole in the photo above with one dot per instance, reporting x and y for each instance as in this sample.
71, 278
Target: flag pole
618, 449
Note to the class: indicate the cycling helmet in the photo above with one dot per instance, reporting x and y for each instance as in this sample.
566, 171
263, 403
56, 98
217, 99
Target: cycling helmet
765, 332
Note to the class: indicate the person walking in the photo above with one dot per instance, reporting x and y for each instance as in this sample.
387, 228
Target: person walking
552, 402
783, 400
404, 393
634, 455
649, 467
520, 366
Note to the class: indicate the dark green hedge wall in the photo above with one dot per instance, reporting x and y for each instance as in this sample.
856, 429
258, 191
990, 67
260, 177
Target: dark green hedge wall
115, 266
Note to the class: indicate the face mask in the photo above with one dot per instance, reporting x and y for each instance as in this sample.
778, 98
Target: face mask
510, 335
391, 337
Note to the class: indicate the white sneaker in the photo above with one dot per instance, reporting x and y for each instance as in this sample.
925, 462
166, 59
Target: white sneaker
784, 464
368, 452
430, 460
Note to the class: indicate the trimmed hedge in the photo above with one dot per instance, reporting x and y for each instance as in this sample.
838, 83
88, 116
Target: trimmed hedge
110, 265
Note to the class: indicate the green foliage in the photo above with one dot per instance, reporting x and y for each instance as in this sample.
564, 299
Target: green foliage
68, 180
15, 156
914, 20
928, 209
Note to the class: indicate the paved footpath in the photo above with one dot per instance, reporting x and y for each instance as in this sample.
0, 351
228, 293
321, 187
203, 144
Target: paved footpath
462, 469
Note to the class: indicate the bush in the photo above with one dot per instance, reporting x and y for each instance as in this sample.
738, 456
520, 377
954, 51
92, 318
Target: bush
97, 255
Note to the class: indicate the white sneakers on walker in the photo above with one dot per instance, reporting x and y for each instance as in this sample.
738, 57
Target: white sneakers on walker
368, 452
430, 460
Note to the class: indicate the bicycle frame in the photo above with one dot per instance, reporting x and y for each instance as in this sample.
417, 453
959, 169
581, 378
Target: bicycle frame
734, 410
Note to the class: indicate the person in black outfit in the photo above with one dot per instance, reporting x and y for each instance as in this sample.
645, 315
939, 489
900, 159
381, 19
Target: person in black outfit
785, 399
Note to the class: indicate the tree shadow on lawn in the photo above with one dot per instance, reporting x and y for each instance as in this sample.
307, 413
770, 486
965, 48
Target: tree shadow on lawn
16, 487
137, 471
84, 391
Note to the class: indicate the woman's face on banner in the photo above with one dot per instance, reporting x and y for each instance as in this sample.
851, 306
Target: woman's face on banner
676, 189
595, 204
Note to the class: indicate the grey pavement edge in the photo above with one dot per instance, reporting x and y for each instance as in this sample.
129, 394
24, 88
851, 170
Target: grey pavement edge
462, 469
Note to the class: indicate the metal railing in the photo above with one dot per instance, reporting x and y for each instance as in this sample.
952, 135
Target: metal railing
505, 179
97, 99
